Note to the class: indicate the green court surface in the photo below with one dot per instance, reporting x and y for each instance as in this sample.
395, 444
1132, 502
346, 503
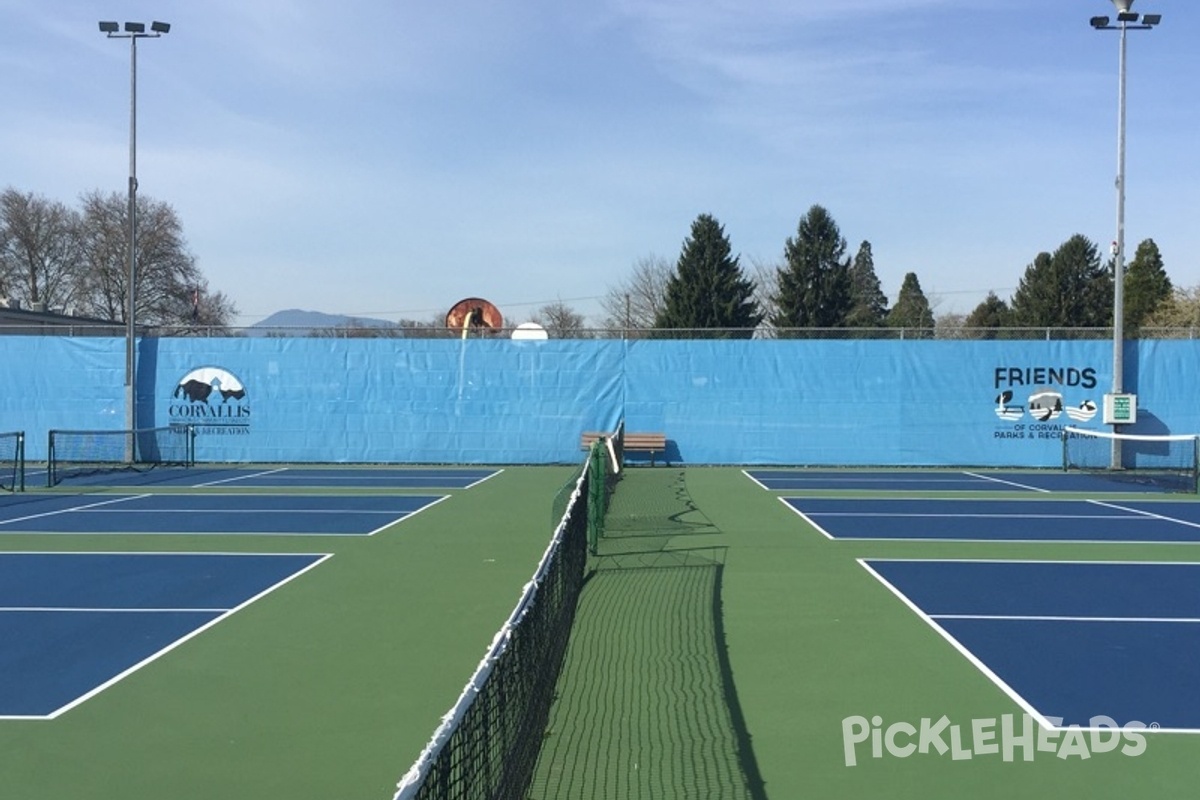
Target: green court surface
718, 646
326, 688
722, 644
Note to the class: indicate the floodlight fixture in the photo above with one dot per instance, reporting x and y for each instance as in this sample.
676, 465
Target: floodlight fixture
160, 27
1127, 16
135, 27
109, 27
1100, 22
1151, 19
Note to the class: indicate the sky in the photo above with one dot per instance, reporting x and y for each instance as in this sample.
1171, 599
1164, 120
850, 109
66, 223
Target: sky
387, 158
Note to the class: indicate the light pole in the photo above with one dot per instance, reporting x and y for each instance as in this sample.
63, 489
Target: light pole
133, 32
1126, 21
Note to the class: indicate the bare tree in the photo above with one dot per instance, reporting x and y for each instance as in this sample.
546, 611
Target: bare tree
635, 303
951, 325
1181, 310
170, 287
561, 321
39, 250
766, 287
434, 328
103, 269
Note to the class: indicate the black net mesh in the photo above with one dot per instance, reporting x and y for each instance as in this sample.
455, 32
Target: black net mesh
490, 742
12, 461
75, 453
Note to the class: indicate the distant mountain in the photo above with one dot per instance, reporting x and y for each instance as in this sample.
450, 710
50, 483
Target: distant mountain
294, 321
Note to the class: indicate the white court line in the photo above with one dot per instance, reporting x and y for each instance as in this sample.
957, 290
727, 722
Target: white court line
484, 478
1118, 561
807, 519
408, 515
761, 485
1145, 514
237, 478
85, 610
1051, 618
931, 482
155, 656
956, 479
243, 511
1007, 483
889, 515
868, 478
84, 507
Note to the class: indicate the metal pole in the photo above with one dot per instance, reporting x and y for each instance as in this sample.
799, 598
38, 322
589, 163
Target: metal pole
1118, 381
131, 289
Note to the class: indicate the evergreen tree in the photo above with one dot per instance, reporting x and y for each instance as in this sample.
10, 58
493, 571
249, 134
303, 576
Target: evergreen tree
912, 311
1146, 286
988, 318
1027, 304
1068, 289
814, 283
870, 303
708, 290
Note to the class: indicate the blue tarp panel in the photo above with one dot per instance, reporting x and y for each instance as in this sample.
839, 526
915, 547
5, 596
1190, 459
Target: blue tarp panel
855, 402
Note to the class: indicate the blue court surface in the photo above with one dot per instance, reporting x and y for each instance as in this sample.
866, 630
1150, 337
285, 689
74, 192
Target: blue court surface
919, 519
818, 480
348, 477
346, 515
1069, 641
73, 624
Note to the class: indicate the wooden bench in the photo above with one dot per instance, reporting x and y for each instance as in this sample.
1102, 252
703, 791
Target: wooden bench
634, 442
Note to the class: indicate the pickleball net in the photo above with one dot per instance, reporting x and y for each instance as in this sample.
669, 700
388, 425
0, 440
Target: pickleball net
76, 453
1171, 461
487, 745
12, 461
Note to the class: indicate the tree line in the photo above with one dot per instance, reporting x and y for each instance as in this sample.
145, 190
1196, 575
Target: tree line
75, 260
818, 289
69, 260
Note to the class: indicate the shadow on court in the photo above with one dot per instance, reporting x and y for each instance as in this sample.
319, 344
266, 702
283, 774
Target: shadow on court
646, 706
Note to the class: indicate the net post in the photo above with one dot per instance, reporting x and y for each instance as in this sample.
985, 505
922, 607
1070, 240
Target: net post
1065, 465
190, 447
1196, 465
19, 481
50, 461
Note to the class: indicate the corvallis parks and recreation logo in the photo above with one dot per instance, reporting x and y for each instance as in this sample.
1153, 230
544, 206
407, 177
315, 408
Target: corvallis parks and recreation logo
212, 400
1036, 402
